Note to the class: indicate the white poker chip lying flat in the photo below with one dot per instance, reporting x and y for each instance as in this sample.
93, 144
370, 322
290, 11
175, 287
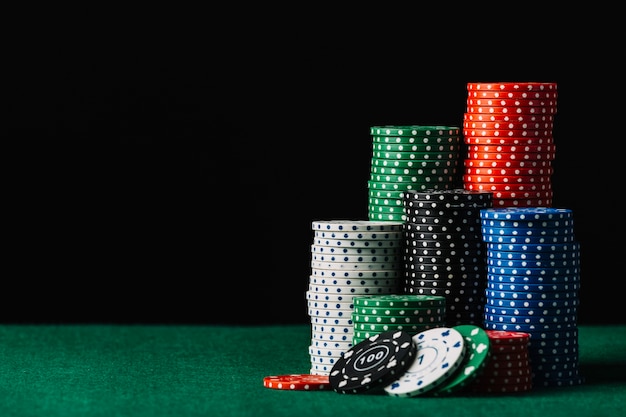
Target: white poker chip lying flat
359, 243
334, 313
362, 259
357, 266
337, 289
350, 236
329, 305
323, 360
332, 336
336, 250
323, 321
331, 344
360, 274
355, 225
440, 352
354, 282
321, 296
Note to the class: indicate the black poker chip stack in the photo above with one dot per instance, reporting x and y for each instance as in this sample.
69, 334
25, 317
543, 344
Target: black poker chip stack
444, 253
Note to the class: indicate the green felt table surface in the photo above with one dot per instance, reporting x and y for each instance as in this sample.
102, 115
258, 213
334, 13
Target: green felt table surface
213, 370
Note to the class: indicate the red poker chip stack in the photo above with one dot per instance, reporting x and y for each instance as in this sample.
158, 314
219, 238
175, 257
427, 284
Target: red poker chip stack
508, 367
507, 128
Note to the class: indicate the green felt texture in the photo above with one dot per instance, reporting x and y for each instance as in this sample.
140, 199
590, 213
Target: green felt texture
171, 370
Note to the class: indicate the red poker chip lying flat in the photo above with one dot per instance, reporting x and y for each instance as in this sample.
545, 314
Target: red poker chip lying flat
500, 163
469, 116
297, 382
513, 156
513, 172
497, 189
512, 102
509, 348
511, 148
522, 202
548, 194
499, 389
509, 125
504, 337
507, 179
508, 140
527, 110
512, 86
503, 380
508, 133
549, 94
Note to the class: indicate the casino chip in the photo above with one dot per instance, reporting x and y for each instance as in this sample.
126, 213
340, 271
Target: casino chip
440, 353
538, 296
354, 225
510, 125
508, 369
410, 157
411, 313
476, 358
448, 221
348, 258
297, 382
373, 363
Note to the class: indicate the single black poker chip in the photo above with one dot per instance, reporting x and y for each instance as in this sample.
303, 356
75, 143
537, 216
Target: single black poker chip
450, 219
445, 252
430, 209
373, 363
428, 226
457, 197
444, 276
414, 265
465, 295
412, 242
444, 236
447, 260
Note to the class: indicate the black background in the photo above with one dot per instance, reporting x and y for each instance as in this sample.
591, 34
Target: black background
170, 174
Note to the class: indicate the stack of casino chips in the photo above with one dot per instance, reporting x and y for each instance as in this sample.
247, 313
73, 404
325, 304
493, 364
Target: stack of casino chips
508, 368
348, 258
411, 313
533, 285
508, 131
444, 253
413, 157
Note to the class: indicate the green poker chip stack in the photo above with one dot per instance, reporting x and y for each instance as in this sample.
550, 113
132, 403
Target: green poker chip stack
411, 157
412, 313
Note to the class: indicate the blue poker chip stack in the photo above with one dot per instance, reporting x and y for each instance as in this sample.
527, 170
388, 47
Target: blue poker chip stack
533, 282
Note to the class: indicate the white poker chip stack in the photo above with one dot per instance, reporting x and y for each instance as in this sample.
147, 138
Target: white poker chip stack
348, 258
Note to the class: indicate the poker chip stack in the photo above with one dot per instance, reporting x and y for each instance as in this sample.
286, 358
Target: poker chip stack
444, 252
413, 157
533, 282
348, 258
508, 131
508, 368
413, 314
